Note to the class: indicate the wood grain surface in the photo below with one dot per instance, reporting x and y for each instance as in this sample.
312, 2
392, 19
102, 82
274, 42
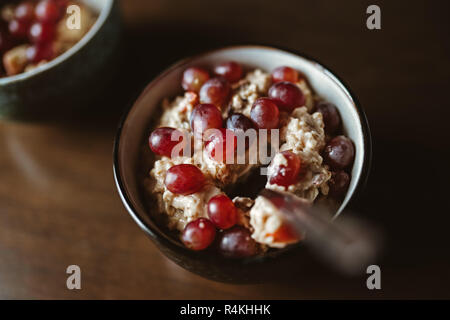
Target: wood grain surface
58, 201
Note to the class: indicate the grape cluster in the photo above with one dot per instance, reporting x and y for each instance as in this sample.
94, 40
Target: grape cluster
214, 90
34, 23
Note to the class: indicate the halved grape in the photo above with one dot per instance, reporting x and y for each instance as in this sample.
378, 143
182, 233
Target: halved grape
286, 175
184, 179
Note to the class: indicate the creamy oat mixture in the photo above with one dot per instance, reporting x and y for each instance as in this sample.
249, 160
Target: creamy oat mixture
304, 135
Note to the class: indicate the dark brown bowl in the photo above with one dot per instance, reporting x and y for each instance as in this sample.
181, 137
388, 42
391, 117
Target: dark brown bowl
133, 133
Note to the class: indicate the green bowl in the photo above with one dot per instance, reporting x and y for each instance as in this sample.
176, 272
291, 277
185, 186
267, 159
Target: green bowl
70, 81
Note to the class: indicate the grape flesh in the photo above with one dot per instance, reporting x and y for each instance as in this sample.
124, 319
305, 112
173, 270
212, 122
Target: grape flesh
287, 175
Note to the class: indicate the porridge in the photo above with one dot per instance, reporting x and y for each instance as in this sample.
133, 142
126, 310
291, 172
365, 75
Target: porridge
34, 32
197, 142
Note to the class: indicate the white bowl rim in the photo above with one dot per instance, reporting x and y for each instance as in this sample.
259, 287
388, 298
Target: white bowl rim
158, 234
104, 14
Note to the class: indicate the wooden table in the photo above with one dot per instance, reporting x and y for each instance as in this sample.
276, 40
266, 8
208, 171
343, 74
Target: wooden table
58, 201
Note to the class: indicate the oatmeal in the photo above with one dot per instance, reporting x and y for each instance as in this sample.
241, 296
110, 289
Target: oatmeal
213, 112
268, 226
33, 32
246, 91
178, 112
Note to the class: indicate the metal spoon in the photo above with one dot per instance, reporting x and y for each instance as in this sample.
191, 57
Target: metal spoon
346, 243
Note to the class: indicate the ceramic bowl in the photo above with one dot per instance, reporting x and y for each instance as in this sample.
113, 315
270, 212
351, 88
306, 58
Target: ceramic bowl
134, 130
71, 80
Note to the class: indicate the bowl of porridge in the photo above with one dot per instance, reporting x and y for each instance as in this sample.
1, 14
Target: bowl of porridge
210, 132
53, 52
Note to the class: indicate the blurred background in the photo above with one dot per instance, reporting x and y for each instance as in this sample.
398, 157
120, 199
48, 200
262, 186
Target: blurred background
58, 201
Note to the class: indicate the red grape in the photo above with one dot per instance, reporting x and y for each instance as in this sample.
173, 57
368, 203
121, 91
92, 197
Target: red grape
284, 74
339, 183
265, 114
194, 78
40, 51
287, 96
231, 70
48, 11
339, 152
238, 122
222, 212
198, 234
42, 32
330, 115
215, 91
237, 243
184, 179
164, 139
204, 117
19, 28
287, 175
24, 11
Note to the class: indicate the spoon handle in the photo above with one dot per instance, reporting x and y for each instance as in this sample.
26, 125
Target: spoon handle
346, 243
